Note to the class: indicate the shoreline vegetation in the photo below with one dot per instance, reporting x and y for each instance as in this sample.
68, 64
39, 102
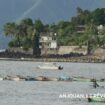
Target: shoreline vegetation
87, 28
72, 57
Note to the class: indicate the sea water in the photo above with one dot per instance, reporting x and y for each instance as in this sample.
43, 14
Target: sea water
48, 92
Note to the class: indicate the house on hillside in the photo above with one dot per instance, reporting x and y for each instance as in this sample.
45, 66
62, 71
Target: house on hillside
48, 43
80, 29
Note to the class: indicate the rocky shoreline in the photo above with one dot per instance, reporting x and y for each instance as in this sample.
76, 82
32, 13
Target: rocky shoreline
72, 57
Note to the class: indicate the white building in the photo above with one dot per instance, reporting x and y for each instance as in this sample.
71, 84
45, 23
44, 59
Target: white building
48, 42
53, 45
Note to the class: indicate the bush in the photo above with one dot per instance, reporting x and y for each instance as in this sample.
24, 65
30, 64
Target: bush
13, 43
25, 48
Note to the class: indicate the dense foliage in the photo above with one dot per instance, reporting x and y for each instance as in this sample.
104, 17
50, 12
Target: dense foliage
26, 33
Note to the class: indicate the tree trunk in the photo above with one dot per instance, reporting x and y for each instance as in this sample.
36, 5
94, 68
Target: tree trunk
89, 48
36, 49
18, 38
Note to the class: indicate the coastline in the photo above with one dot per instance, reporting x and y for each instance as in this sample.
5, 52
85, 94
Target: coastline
83, 59
72, 57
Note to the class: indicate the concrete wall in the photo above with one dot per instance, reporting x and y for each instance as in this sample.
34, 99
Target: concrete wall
49, 51
99, 51
61, 50
30, 51
72, 49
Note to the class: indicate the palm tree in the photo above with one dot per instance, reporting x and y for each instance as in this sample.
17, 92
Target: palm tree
26, 33
38, 28
90, 36
10, 29
101, 37
26, 30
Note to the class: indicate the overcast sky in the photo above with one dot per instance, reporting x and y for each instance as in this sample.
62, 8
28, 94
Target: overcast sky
48, 11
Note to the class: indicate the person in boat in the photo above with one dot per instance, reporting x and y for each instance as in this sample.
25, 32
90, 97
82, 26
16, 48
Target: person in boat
95, 84
60, 68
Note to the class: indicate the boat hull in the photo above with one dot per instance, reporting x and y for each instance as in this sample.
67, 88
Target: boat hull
96, 100
43, 78
49, 68
81, 79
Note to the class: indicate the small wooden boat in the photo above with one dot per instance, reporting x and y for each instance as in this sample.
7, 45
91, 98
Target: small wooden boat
96, 99
29, 78
81, 79
1, 78
12, 78
64, 78
22, 78
50, 66
15, 78
52, 79
43, 78
102, 80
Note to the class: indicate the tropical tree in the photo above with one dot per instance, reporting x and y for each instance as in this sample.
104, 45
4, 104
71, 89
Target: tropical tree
27, 27
11, 29
101, 37
99, 16
91, 36
37, 29
82, 18
38, 25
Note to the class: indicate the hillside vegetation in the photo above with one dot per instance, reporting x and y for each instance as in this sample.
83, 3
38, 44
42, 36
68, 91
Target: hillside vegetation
27, 32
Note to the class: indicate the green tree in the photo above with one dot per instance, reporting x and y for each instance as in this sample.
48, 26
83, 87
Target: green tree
12, 29
27, 27
99, 16
9, 29
64, 32
38, 28
91, 37
82, 18
101, 37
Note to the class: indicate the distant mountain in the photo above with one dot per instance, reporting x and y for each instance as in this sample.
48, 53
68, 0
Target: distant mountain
48, 11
